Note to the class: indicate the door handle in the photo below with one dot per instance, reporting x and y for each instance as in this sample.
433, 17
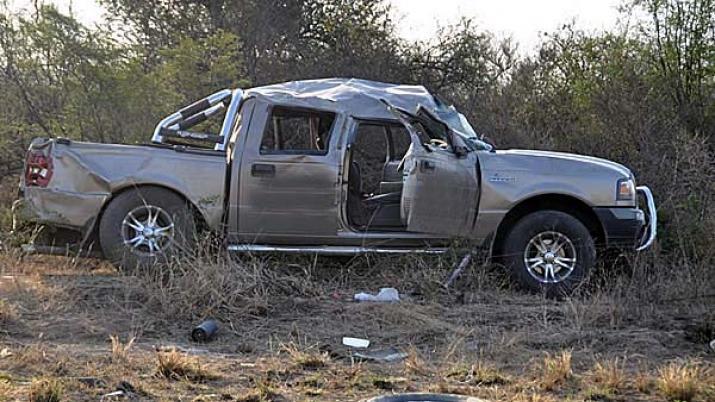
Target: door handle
263, 170
427, 165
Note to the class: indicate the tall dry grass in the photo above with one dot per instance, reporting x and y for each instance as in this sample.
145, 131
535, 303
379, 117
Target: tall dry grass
214, 284
681, 380
218, 285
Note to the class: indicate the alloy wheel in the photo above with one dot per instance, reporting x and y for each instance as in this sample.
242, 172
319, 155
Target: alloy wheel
148, 230
550, 257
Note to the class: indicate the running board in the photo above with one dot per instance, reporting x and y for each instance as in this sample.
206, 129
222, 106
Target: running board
331, 250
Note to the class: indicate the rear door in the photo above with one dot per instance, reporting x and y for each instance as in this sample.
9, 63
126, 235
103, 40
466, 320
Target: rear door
441, 186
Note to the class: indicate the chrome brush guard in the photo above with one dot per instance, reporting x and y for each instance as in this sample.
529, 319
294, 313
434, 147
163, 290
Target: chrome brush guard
651, 229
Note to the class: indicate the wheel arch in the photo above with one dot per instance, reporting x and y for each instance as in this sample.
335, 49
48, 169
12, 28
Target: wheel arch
555, 202
198, 216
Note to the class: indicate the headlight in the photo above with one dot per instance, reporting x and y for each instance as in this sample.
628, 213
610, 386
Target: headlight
625, 190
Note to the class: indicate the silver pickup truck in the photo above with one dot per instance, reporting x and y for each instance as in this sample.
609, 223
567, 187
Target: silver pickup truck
339, 167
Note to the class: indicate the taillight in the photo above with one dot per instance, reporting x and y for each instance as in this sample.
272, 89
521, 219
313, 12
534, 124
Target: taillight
38, 169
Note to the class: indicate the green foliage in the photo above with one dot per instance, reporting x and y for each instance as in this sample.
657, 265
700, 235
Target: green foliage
358, 36
196, 67
62, 79
682, 40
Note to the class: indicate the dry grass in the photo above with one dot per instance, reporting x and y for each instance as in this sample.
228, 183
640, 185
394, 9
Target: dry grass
283, 319
532, 397
416, 365
387, 382
479, 374
305, 358
680, 381
643, 382
554, 370
120, 351
263, 391
32, 359
177, 366
599, 393
610, 375
5, 389
8, 313
46, 390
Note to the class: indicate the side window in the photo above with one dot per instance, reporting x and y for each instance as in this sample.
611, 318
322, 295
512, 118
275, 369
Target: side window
401, 141
297, 131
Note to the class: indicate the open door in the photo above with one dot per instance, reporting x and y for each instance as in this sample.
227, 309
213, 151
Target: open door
441, 189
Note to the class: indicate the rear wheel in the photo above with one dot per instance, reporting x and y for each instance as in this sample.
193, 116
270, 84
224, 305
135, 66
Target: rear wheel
549, 251
144, 226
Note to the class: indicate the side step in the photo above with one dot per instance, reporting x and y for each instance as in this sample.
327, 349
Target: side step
331, 250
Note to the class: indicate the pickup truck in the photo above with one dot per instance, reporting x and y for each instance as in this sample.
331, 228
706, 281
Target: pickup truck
337, 167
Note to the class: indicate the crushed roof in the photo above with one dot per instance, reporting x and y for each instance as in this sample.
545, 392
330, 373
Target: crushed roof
356, 97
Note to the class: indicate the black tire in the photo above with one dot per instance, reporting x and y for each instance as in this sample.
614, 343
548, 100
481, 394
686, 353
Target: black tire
143, 203
531, 234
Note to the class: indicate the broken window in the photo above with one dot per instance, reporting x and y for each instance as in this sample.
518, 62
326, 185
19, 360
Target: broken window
298, 131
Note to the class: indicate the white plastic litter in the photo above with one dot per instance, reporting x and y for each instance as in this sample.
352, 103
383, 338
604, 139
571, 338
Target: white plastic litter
356, 342
385, 295
113, 395
384, 356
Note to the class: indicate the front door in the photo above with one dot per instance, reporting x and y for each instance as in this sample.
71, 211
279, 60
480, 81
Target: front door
441, 188
289, 177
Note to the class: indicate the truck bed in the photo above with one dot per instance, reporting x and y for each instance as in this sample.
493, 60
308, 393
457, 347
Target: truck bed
84, 176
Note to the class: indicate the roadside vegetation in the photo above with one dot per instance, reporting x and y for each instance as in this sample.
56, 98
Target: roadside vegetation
644, 95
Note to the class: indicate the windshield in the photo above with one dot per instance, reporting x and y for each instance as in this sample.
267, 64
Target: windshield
460, 125
441, 122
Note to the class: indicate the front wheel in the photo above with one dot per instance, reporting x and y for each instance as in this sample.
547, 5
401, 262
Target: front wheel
144, 226
549, 251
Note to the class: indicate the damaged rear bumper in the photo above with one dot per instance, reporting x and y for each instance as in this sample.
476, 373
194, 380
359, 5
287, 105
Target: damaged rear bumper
58, 208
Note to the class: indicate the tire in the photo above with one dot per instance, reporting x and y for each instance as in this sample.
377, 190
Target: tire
549, 251
172, 232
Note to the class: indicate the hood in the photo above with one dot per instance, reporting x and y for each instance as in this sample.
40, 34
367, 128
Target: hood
560, 162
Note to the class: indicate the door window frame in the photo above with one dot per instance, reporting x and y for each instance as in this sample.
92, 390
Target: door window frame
268, 122
387, 123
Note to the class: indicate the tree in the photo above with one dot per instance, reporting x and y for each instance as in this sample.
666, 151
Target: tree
280, 39
682, 34
466, 66
59, 78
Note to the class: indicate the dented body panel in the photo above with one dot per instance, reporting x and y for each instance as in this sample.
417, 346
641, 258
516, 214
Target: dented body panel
86, 176
284, 201
62, 208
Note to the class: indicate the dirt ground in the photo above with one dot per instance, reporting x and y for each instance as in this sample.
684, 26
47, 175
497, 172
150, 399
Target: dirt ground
77, 330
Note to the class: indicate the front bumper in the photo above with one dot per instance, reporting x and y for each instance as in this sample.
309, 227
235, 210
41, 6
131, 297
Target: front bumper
631, 228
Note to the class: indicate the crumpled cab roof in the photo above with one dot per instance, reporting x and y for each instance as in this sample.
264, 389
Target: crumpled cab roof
358, 98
